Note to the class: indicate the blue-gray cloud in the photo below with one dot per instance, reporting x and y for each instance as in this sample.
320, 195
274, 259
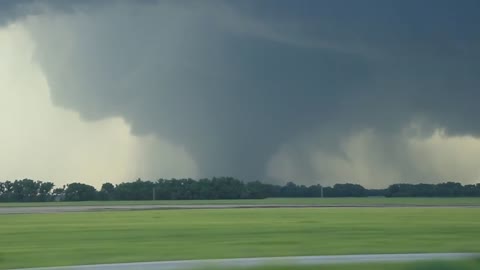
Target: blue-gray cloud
232, 81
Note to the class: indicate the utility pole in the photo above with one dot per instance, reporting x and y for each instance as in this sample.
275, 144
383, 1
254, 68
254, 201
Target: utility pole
154, 194
321, 191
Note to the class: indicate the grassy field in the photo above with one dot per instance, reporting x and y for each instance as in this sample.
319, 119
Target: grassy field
103, 237
303, 201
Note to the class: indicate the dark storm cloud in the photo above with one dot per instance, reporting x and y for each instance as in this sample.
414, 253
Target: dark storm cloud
234, 80
11, 10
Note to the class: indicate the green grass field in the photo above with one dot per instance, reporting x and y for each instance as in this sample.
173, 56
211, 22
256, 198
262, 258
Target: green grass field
305, 201
104, 237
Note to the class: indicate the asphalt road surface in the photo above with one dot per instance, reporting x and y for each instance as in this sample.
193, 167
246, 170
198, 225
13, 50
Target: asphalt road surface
83, 208
251, 262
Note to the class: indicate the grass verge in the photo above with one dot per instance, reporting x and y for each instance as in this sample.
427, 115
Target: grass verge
33, 240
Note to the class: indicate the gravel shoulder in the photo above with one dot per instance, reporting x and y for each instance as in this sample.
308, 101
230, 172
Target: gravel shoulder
63, 209
253, 262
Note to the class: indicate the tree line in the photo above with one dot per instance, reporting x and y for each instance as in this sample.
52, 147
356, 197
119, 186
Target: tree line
28, 190
448, 189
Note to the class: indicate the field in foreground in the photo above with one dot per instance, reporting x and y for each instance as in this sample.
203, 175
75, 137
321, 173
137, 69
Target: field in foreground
283, 201
443, 265
105, 237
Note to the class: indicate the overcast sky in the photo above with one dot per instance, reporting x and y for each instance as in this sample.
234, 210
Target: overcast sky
371, 92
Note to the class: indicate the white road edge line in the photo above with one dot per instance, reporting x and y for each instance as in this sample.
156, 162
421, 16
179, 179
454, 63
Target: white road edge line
251, 262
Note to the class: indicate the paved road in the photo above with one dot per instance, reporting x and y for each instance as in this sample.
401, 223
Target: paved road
61, 209
250, 262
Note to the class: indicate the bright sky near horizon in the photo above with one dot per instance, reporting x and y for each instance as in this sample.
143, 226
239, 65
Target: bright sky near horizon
43, 141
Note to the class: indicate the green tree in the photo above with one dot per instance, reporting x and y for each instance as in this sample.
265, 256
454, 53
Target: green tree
80, 192
107, 192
